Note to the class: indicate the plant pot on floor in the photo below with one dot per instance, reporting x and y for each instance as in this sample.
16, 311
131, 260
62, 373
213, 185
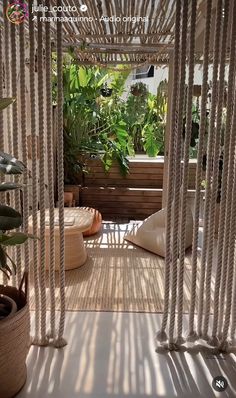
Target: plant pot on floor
68, 199
75, 190
14, 341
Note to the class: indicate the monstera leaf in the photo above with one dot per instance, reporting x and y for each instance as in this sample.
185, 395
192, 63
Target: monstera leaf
9, 218
9, 186
5, 102
15, 238
10, 165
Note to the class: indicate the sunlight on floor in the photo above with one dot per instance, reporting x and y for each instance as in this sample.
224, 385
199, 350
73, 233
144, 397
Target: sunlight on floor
113, 355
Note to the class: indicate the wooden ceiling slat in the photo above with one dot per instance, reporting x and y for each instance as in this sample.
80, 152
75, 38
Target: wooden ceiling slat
128, 41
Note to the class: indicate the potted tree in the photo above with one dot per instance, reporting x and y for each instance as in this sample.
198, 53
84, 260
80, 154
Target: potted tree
14, 311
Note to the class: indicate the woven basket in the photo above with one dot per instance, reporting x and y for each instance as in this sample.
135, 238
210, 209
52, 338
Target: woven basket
14, 342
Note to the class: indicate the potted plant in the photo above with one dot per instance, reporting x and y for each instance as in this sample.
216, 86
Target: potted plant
139, 89
14, 311
106, 91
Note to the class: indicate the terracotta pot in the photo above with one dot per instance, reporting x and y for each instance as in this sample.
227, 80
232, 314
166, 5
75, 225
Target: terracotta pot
197, 90
68, 199
75, 189
136, 92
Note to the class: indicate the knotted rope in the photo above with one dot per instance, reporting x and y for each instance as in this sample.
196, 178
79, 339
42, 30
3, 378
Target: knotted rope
188, 134
24, 144
202, 131
41, 111
215, 174
8, 77
15, 130
225, 188
34, 175
176, 210
1, 90
161, 335
50, 170
210, 148
60, 162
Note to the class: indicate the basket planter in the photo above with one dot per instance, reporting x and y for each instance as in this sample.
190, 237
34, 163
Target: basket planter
136, 92
106, 92
139, 90
197, 90
14, 342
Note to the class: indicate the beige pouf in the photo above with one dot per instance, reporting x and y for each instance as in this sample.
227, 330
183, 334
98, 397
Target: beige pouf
151, 233
76, 221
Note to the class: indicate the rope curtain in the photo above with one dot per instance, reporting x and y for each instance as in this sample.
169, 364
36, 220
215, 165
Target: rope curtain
48, 67
60, 165
35, 122
1, 87
205, 277
34, 175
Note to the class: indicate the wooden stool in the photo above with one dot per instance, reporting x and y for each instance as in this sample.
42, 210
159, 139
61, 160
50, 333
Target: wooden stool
76, 221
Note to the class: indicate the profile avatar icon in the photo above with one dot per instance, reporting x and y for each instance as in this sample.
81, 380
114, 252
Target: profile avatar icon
17, 12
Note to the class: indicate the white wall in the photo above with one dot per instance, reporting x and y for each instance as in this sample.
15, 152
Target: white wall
161, 73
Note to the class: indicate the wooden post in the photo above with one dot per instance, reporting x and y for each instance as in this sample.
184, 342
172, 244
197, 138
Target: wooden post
167, 130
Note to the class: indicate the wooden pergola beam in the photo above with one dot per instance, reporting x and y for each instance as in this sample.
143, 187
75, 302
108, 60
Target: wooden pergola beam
119, 62
122, 35
120, 47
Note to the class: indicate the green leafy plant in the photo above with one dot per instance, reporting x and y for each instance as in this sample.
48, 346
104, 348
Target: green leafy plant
146, 121
10, 219
92, 124
139, 89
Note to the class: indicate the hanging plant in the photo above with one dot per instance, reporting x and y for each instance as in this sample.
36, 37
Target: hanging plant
197, 90
139, 89
106, 91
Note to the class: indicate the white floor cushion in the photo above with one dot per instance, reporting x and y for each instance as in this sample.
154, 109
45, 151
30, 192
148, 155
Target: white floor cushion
151, 234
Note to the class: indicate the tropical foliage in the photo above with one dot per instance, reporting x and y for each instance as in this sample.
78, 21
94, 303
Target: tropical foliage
101, 118
10, 219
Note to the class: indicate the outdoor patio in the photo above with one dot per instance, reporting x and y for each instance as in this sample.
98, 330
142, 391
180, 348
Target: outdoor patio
117, 214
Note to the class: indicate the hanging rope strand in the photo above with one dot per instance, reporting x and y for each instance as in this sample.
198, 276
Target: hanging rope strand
186, 169
176, 210
224, 189
34, 175
15, 129
228, 216
1, 89
233, 313
50, 170
7, 77
202, 131
215, 175
231, 263
2, 131
210, 147
60, 341
161, 335
24, 144
42, 178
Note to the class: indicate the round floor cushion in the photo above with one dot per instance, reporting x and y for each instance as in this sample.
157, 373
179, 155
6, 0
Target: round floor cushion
97, 222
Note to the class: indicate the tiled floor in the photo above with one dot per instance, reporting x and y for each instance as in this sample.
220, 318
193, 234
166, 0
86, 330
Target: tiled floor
112, 355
